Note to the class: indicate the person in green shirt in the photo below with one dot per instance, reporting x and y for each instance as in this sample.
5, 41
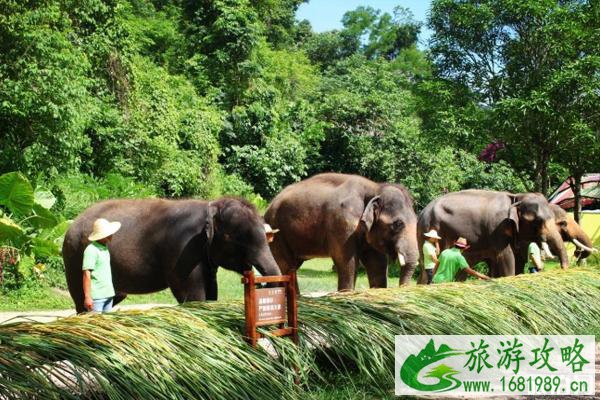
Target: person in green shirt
534, 259
452, 261
98, 289
430, 252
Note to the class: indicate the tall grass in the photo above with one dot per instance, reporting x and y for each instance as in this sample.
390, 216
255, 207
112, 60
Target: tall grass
197, 351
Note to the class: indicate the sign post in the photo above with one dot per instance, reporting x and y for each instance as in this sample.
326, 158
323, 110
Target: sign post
270, 306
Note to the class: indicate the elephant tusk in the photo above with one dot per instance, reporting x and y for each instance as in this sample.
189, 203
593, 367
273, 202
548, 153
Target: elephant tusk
401, 260
583, 246
547, 250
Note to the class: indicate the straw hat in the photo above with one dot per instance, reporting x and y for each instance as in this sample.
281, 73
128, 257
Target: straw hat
103, 228
268, 229
432, 234
461, 243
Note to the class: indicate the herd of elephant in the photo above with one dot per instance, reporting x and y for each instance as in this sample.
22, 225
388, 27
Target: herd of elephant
179, 244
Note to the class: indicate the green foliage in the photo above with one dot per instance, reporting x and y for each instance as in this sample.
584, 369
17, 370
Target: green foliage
16, 193
271, 136
76, 192
171, 140
533, 64
386, 34
29, 231
204, 98
43, 92
222, 36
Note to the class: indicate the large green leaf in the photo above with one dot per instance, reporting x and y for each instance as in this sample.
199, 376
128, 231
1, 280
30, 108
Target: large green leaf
11, 232
44, 248
44, 198
55, 233
42, 217
16, 193
26, 266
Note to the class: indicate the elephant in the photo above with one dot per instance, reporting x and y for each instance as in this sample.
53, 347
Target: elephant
497, 225
570, 231
177, 244
348, 218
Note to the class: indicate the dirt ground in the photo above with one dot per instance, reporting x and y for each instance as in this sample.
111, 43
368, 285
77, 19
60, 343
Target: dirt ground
53, 315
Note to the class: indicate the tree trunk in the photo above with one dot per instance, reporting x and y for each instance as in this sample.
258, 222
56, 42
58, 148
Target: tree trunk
575, 184
542, 181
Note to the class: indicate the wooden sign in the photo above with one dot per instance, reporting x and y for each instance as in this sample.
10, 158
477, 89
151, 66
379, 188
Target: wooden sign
270, 306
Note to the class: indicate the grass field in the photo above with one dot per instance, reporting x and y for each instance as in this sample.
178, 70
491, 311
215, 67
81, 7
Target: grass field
314, 276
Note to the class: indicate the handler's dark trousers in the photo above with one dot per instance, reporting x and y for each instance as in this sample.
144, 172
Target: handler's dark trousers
429, 275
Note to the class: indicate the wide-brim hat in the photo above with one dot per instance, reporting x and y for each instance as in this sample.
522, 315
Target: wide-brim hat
432, 234
461, 243
268, 229
103, 228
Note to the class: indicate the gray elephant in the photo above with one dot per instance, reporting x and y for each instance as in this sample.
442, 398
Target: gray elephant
348, 218
570, 231
171, 243
497, 225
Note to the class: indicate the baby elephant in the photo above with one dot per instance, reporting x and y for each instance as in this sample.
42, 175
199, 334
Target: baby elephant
171, 243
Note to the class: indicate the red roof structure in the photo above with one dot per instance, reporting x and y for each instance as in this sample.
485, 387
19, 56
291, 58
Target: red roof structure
590, 193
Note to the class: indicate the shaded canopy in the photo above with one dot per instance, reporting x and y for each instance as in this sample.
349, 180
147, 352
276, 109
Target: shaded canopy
590, 193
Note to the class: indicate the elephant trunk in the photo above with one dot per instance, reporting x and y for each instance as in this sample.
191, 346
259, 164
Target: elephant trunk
408, 257
556, 244
265, 264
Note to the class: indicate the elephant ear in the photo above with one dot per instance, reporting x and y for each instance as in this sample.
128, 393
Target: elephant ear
210, 222
371, 212
513, 215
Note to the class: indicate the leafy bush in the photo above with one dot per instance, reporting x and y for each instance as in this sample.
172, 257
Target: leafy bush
76, 192
29, 231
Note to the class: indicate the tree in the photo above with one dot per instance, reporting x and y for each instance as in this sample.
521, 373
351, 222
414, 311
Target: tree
381, 34
222, 37
43, 93
506, 51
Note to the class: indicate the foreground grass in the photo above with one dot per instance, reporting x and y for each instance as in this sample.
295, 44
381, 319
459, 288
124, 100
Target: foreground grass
346, 349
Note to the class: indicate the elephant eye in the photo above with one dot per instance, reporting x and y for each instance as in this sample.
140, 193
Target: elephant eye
397, 226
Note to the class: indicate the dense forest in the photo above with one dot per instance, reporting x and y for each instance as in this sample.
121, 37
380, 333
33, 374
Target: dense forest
202, 98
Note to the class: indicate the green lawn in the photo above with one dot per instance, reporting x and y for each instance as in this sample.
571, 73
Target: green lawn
314, 276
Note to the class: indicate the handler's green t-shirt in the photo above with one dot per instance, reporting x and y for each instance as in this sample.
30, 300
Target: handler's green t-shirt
451, 261
532, 250
428, 253
96, 258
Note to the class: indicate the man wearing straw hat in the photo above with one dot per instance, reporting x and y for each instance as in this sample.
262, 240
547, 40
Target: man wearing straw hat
430, 253
98, 289
452, 261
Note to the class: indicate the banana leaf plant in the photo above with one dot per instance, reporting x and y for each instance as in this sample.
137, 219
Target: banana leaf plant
26, 220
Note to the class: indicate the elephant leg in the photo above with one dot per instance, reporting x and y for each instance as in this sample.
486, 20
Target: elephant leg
505, 263
190, 288
283, 256
422, 275
520, 259
347, 267
119, 297
211, 285
376, 265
